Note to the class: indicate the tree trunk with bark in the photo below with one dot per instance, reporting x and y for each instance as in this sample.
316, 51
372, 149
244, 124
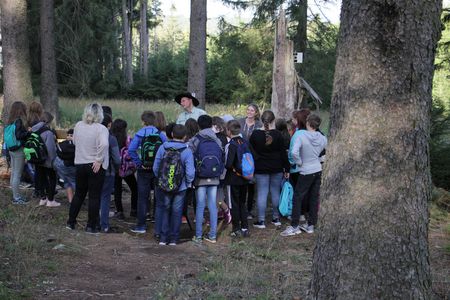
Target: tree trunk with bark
300, 13
16, 54
49, 83
143, 42
127, 46
372, 237
197, 51
284, 80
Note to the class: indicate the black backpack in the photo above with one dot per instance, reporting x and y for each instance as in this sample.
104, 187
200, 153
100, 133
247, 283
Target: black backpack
66, 152
34, 147
171, 169
149, 146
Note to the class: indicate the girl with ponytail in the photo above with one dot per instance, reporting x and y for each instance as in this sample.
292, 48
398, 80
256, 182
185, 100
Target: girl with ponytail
271, 164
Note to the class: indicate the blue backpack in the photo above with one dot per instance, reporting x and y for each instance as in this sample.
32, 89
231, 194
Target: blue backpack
11, 142
245, 157
209, 158
287, 193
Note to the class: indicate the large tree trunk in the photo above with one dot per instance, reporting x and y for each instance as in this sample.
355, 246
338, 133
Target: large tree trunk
49, 83
372, 238
143, 42
300, 13
284, 82
197, 51
16, 55
127, 46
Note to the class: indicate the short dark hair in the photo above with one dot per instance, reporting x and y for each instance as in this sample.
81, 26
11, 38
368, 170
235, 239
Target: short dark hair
234, 127
169, 130
179, 132
148, 117
219, 123
204, 122
107, 119
314, 121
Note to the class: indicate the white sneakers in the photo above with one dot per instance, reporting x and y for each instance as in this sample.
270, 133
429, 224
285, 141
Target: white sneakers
48, 203
290, 231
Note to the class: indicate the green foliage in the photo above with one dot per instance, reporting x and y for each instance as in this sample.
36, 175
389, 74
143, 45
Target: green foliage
439, 145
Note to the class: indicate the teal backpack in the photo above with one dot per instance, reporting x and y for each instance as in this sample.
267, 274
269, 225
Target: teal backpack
287, 193
9, 137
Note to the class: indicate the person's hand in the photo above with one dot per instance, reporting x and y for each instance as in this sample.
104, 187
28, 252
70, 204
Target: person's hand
286, 175
96, 166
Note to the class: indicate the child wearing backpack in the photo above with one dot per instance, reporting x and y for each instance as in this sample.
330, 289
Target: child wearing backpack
208, 153
14, 136
45, 174
142, 150
235, 179
64, 164
174, 167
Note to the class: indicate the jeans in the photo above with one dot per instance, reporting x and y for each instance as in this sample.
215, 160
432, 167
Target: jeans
206, 193
66, 173
307, 193
159, 210
237, 195
144, 183
132, 184
264, 183
87, 182
107, 189
17, 164
45, 182
171, 216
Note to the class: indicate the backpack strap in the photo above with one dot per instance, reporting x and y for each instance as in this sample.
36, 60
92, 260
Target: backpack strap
41, 130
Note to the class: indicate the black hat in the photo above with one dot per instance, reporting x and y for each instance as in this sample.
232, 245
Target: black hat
187, 95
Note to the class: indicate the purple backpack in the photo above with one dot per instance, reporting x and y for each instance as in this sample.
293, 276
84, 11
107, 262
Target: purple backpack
127, 166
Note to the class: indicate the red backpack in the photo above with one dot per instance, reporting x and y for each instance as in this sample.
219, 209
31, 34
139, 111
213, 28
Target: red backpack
127, 166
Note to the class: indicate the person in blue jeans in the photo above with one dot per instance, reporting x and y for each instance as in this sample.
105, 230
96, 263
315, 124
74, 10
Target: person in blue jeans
145, 164
208, 152
271, 164
108, 183
169, 205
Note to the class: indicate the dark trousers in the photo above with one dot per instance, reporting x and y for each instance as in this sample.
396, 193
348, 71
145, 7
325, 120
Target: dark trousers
307, 190
45, 182
144, 184
293, 179
250, 191
132, 184
237, 194
87, 183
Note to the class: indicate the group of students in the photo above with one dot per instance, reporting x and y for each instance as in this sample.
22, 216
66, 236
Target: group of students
213, 162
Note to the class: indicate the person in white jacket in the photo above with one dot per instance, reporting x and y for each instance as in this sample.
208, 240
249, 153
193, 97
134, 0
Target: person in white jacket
305, 152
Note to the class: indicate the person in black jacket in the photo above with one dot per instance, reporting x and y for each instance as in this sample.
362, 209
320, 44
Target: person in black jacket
271, 163
17, 117
236, 184
64, 164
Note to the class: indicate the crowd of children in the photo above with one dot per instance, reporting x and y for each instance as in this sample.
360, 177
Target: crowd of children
209, 162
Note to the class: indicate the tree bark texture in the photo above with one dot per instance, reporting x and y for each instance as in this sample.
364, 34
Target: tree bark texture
284, 81
16, 55
143, 42
197, 51
372, 237
127, 46
300, 13
49, 83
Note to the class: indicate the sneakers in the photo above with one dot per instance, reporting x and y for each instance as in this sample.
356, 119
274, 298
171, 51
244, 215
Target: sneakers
20, 201
172, 244
197, 240
43, 201
259, 224
70, 226
161, 243
290, 231
307, 228
139, 229
245, 233
91, 230
52, 203
302, 218
236, 234
249, 216
211, 240
227, 216
276, 222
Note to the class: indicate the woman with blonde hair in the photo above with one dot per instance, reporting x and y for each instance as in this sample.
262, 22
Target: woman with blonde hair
90, 138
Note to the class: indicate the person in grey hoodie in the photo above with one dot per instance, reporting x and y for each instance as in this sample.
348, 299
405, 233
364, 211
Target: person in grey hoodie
206, 186
306, 148
45, 174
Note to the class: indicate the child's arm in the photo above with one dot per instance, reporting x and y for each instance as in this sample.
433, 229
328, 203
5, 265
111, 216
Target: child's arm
229, 161
158, 158
132, 150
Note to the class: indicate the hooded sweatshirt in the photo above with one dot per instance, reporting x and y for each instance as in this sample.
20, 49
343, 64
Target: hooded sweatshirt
207, 133
137, 141
306, 149
48, 137
187, 160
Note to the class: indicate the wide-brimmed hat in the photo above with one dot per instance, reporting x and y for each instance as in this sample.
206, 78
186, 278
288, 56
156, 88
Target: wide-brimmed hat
187, 95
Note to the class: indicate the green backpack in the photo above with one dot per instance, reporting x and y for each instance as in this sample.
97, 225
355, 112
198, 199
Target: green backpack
149, 146
34, 147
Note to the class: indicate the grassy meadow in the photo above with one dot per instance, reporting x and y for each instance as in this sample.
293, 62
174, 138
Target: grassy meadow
130, 110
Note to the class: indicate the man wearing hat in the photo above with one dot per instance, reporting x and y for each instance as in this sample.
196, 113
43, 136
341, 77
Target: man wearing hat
189, 103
